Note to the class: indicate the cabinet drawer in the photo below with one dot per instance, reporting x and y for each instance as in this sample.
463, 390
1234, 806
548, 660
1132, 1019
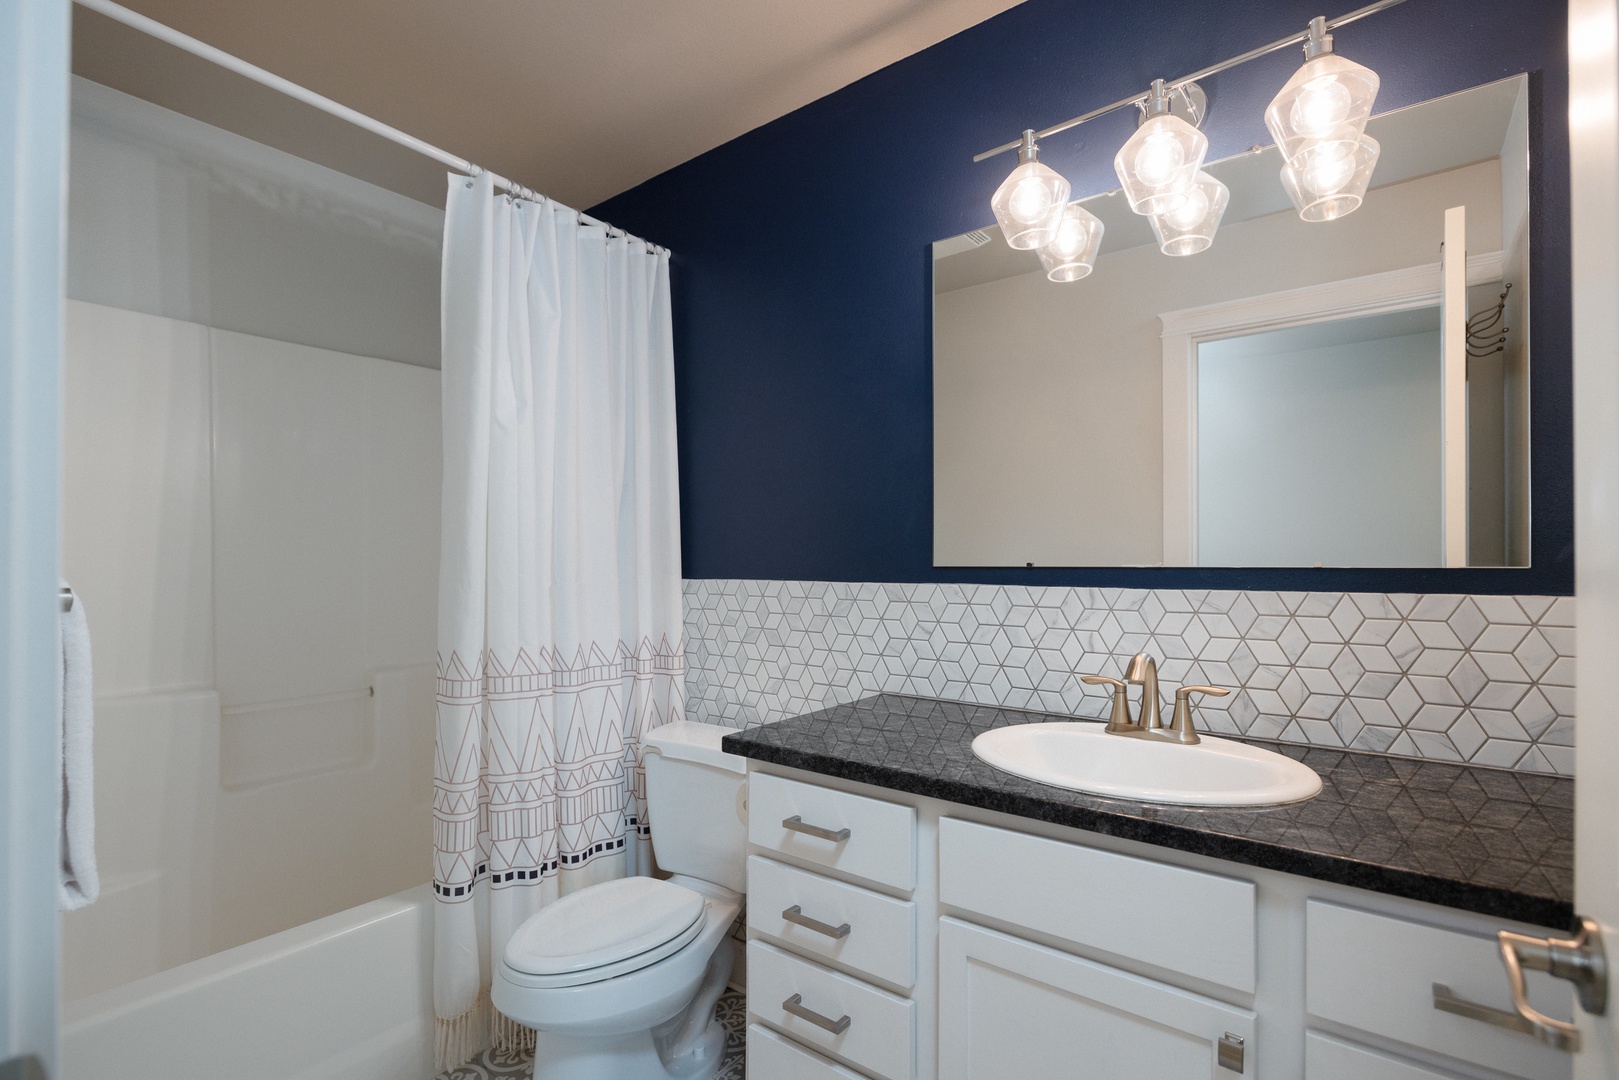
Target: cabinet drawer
880, 1036
866, 931
1376, 974
1203, 924
1010, 1008
880, 844
1326, 1058
771, 1057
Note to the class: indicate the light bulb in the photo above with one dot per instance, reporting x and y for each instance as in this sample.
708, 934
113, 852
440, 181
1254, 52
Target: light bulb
1158, 158
1325, 173
1189, 228
1327, 186
1071, 236
1071, 254
1156, 166
1190, 212
1031, 200
1322, 105
1323, 108
1028, 204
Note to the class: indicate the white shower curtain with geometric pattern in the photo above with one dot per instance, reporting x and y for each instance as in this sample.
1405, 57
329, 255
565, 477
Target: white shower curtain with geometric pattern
560, 634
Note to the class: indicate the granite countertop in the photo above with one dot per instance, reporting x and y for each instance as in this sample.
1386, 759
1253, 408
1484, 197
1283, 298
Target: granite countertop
1486, 840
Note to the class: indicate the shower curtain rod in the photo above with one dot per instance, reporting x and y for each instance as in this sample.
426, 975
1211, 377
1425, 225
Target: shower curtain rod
153, 28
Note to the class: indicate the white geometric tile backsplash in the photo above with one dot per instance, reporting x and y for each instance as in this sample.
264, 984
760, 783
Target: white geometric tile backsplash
1485, 679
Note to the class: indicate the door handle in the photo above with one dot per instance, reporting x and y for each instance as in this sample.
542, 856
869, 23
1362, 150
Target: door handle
1580, 960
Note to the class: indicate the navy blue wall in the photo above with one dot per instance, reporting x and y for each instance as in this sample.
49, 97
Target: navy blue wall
802, 272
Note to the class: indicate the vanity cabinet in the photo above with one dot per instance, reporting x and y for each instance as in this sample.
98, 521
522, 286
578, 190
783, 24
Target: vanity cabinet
1008, 1007
897, 937
833, 934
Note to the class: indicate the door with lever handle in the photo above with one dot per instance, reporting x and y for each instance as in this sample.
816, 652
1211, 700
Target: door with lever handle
1580, 960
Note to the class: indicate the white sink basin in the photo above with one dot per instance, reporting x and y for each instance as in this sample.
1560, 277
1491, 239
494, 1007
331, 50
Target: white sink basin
1083, 757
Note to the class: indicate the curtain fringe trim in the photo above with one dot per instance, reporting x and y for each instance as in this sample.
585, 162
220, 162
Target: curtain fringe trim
510, 1036
457, 1041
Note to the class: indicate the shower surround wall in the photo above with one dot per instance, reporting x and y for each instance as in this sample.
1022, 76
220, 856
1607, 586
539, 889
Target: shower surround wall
1484, 679
253, 527
251, 516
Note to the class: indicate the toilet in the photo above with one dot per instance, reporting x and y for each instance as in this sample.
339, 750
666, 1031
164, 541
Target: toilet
619, 979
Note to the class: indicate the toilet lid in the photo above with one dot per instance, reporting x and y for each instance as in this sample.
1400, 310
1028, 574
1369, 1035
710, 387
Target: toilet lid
603, 924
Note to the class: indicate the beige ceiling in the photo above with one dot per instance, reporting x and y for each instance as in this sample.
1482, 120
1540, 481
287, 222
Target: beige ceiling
579, 99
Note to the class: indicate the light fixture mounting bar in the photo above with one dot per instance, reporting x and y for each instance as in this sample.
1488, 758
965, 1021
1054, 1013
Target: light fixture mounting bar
1176, 84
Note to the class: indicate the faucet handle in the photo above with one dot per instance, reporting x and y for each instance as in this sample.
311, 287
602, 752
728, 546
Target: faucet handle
1180, 725
1121, 719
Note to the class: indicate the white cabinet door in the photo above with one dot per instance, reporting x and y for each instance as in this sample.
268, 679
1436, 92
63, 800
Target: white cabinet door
1010, 1008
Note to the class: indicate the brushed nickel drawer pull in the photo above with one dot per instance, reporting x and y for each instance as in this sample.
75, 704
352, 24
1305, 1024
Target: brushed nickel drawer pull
1447, 1000
796, 916
795, 1005
796, 824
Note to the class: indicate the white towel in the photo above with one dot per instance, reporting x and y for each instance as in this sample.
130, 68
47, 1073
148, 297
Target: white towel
80, 882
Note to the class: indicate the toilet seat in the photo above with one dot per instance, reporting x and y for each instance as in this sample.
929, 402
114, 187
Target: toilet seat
603, 931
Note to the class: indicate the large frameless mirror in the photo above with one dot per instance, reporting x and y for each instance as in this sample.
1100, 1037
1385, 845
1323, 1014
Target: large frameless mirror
1343, 393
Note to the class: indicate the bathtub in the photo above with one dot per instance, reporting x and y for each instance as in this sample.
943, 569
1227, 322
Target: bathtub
348, 996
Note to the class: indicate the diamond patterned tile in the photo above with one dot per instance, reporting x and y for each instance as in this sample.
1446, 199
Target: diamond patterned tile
1485, 678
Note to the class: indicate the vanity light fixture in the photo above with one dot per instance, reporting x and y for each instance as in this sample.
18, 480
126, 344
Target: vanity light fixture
1327, 188
1189, 228
1319, 124
1072, 252
1029, 203
1157, 165
1318, 120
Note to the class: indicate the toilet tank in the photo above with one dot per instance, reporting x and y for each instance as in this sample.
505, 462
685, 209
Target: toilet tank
697, 801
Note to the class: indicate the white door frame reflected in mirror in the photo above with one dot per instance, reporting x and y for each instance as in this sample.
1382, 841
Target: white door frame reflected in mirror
1184, 331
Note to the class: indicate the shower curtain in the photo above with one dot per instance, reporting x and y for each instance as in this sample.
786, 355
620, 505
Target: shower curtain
560, 636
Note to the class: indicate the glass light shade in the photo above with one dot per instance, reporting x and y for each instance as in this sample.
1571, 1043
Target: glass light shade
1157, 165
1323, 108
1071, 254
1325, 188
1189, 228
1029, 204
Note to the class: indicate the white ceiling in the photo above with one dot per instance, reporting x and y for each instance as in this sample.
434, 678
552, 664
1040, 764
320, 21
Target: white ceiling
579, 99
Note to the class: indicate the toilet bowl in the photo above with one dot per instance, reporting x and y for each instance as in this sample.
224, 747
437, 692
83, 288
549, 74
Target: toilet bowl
619, 979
